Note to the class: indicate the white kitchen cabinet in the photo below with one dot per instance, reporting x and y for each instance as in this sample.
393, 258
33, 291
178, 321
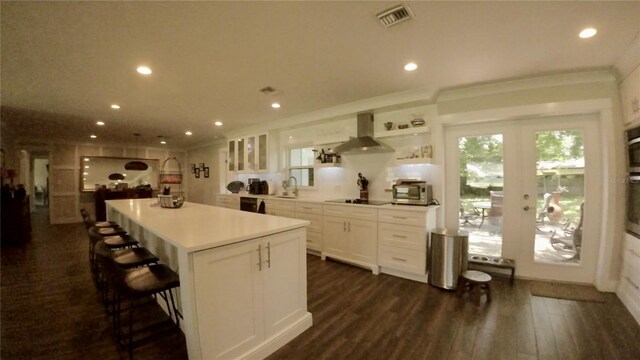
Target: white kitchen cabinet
253, 154
402, 241
351, 236
630, 96
282, 208
313, 213
228, 201
629, 285
265, 296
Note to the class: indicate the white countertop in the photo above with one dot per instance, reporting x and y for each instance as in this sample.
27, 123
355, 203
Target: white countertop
195, 227
414, 208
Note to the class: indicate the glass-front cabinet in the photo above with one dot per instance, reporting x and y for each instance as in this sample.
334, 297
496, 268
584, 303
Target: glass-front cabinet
249, 154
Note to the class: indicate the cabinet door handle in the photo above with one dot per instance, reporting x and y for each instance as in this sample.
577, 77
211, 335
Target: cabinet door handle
344, 226
259, 257
399, 259
306, 208
349, 226
399, 236
632, 284
399, 217
269, 255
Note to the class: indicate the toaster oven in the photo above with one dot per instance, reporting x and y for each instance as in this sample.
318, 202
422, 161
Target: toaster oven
412, 193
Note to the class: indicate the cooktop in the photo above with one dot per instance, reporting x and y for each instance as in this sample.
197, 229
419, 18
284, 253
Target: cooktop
360, 201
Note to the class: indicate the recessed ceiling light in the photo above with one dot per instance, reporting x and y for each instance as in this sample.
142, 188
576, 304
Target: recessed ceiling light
587, 33
144, 70
163, 142
93, 136
86, 159
124, 174
86, 166
100, 123
410, 66
275, 106
218, 123
188, 133
85, 179
115, 106
85, 173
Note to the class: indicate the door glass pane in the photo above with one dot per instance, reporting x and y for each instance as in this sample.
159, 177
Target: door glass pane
251, 153
481, 183
232, 155
240, 155
262, 152
560, 196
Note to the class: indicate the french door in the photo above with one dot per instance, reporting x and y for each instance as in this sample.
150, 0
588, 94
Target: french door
529, 190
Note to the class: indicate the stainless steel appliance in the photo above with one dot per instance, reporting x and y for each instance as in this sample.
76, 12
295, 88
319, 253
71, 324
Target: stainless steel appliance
248, 204
633, 204
448, 257
410, 192
633, 148
633, 182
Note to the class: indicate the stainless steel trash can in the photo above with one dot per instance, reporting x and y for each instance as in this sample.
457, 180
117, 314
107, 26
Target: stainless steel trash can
448, 256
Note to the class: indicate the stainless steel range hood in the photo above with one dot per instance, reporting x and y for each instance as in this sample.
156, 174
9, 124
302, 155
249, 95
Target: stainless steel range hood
365, 143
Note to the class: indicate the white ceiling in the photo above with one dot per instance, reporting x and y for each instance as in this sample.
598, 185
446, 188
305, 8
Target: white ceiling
64, 63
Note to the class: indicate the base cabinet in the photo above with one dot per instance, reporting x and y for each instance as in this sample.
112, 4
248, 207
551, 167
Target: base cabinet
249, 294
313, 213
228, 201
402, 242
351, 240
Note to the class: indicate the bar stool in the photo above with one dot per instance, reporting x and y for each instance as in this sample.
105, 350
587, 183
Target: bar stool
476, 282
89, 223
128, 258
112, 242
139, 284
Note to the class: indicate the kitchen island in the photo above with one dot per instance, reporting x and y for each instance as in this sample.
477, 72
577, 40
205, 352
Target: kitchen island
243, 284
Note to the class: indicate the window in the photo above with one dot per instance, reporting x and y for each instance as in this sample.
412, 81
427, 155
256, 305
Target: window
301, 165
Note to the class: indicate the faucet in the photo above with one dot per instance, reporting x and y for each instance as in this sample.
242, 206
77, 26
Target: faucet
295, 185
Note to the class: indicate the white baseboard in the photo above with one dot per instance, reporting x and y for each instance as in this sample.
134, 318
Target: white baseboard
403, 274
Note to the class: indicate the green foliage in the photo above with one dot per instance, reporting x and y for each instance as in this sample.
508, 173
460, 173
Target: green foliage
559, 145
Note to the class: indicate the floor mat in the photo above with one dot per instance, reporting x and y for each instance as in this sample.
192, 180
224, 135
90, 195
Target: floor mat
566, 291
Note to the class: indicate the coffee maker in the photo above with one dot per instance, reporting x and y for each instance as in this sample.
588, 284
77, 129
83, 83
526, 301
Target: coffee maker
254, 187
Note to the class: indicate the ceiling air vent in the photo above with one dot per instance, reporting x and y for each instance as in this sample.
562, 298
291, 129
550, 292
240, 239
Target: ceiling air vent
395, 15
267, 90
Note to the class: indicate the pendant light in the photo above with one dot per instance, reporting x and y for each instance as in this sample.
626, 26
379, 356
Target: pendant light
136, 165
116, 176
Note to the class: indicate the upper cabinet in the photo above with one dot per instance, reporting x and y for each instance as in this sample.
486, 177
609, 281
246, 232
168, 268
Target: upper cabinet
253, 154
630, 96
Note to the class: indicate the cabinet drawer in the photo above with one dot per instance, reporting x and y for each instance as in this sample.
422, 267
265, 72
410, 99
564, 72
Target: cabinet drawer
402, 259
280, 212
280, 205
308, 208
407, 237
403, 217
316, 221
351, 212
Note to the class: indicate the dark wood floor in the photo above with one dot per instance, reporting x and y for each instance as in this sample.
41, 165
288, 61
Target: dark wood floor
50, 309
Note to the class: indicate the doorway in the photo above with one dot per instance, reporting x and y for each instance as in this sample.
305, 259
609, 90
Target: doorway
528, 190
40, 181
